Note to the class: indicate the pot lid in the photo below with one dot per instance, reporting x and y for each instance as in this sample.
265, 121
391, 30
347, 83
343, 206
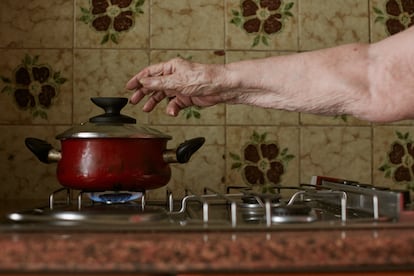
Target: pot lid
111, 124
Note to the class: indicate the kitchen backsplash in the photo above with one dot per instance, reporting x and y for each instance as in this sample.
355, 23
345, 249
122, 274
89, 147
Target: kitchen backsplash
56, 55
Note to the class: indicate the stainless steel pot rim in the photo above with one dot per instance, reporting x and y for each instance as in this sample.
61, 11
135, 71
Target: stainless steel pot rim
92, 130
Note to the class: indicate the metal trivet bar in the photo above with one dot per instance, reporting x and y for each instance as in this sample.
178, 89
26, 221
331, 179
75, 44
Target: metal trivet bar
344, 196
52, 197
204, 200
231, 199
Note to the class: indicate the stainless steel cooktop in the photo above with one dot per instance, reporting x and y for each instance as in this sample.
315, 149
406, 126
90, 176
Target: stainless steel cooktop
324, 203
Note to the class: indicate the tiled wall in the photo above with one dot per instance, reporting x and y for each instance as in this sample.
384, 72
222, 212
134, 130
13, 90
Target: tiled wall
55, 55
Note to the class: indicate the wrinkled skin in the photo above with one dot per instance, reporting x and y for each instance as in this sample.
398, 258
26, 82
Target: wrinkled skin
372, 82
177, 79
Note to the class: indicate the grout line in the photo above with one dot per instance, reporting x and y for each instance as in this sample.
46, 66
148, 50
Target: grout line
299, 124
372, 154
73, 61
369, 22
371, 125
149, 47
225, 29
299, 29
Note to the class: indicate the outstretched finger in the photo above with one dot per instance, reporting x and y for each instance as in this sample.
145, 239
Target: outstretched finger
139, 94
134, 82
154, 70
176, 104
153, 100
136, 97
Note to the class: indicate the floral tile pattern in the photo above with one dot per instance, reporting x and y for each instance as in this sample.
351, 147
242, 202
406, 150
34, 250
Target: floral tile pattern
111, 17
262, 18
255, 24
111, 23
399, 164
33, 86
396, 16
260, 157
36, 86
392, 157
261, 162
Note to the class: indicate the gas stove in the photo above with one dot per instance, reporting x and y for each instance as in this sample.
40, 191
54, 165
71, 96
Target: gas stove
323, 203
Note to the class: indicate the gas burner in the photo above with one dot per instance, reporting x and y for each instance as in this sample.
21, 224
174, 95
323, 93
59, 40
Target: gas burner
253, 209
114, 197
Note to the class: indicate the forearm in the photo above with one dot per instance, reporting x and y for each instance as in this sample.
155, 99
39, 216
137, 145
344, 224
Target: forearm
330, 81
373, 82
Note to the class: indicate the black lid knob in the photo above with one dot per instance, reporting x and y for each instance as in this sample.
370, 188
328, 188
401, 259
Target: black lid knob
112, 107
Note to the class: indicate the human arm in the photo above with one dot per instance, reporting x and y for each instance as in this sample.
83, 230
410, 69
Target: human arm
373, 82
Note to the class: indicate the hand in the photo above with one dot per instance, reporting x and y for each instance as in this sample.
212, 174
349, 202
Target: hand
184, 83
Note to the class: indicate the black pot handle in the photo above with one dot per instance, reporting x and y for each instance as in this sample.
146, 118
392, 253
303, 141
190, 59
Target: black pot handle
40, 148
186, 149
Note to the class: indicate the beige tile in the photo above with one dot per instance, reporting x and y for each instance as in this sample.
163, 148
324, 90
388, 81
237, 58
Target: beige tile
53, 74
22, 175
249, 115
36, 24
309, 119
195, 24
206, 167
329, 23
234, 55
341, 152
404, 122
191, 115
243, 142
104, 73
127, 25
398, 123
385, 171
283, 35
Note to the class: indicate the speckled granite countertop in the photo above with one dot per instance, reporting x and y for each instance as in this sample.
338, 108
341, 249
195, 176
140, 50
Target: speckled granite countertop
112, 250
178, 252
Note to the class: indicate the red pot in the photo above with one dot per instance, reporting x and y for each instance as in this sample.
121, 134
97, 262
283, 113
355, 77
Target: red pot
111, 152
